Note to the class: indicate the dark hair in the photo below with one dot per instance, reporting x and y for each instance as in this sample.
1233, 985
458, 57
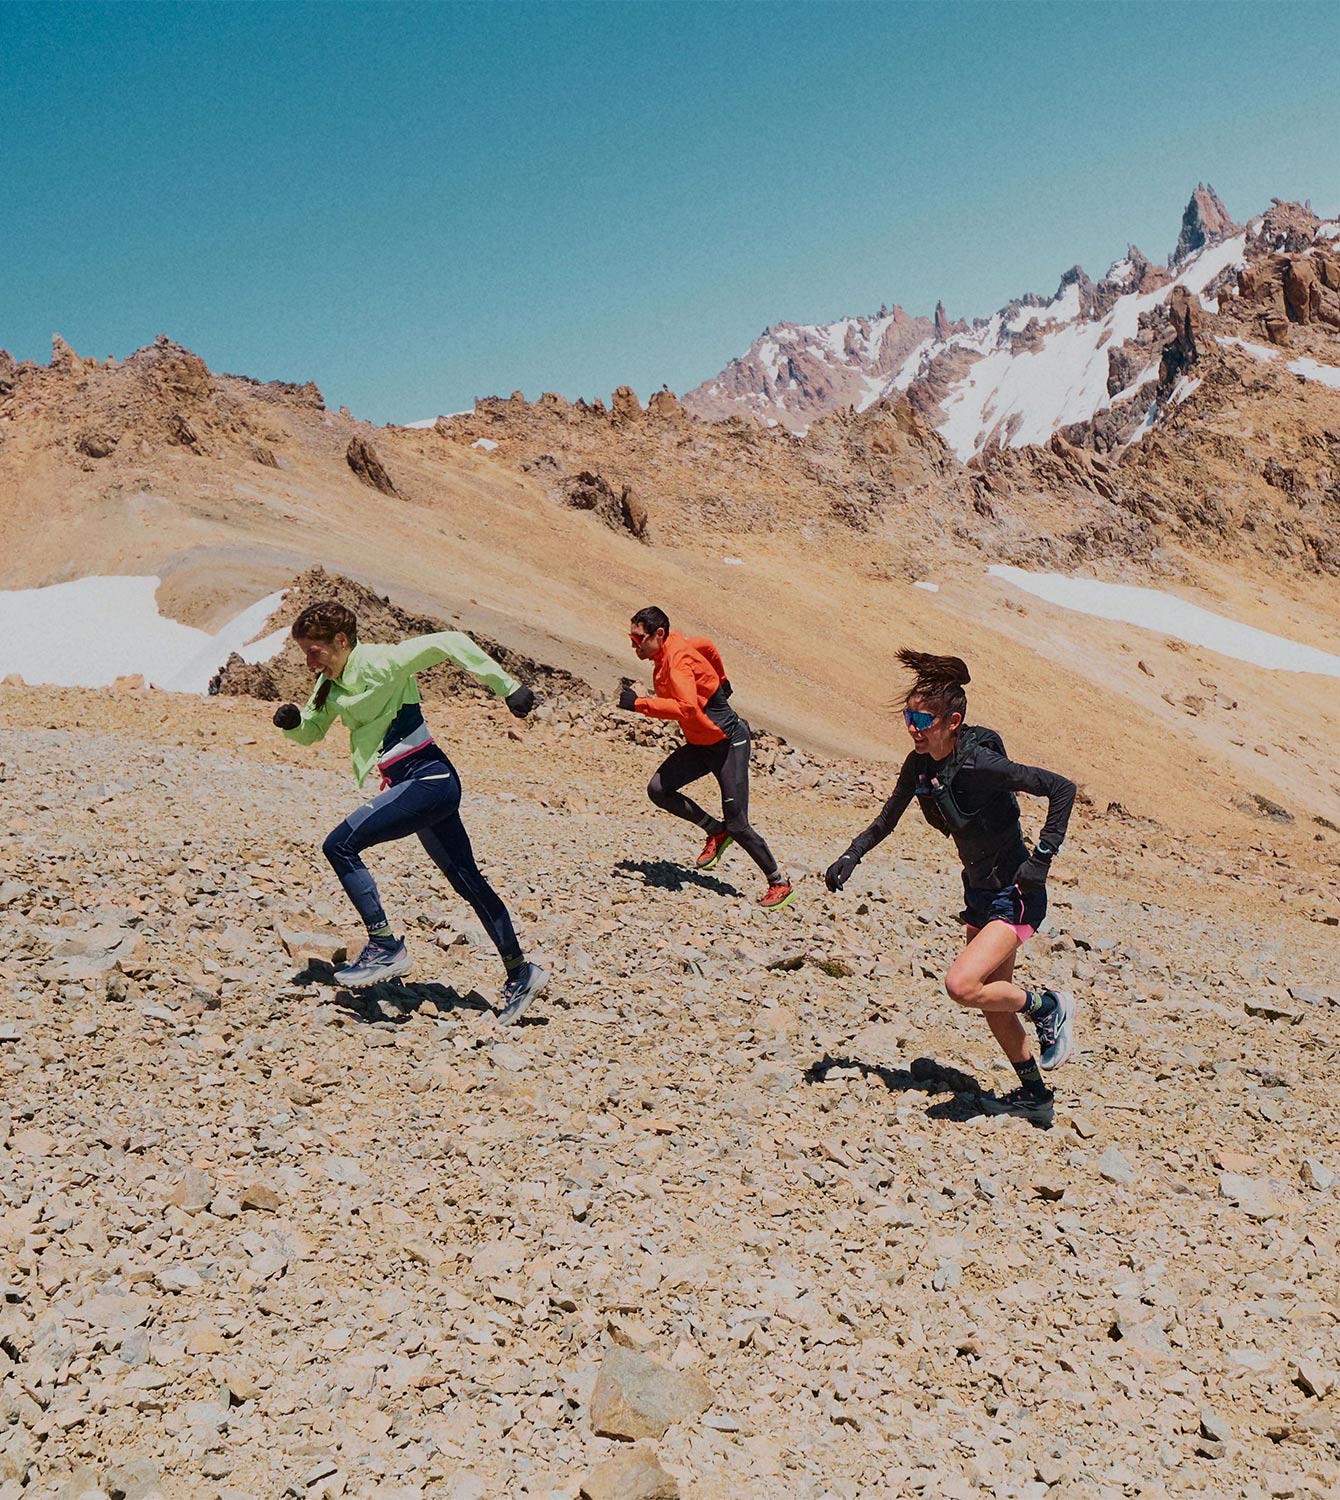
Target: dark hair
323, 621
652, 619
938, 681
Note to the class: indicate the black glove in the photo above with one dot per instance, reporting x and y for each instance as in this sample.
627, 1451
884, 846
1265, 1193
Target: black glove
521, 701
628, 698
1032, 874
287, 716
839, 872
726, 688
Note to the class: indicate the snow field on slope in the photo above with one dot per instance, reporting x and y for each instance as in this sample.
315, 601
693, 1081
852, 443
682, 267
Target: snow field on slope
90, 632
1065, 380
1309, 369
1166, 614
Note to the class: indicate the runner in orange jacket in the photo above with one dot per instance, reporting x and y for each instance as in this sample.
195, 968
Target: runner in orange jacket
691, 688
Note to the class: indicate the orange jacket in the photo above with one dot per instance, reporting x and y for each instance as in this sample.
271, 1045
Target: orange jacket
686, 674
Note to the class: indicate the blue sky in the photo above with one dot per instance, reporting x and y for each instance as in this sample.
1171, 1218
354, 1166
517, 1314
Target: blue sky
417, 204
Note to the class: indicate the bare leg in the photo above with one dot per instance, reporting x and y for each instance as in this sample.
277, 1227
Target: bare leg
981, 978
1007, 1028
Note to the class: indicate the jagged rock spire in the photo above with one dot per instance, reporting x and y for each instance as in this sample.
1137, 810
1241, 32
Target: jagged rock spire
1204, 222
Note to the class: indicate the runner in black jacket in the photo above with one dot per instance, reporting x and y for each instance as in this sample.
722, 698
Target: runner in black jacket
965, 784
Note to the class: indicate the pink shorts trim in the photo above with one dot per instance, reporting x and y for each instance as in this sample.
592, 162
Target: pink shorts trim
1021, 930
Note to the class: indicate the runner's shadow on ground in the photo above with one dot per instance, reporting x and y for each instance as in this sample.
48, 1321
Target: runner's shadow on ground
366, 1004
923, 1076
664, 876
965, 1097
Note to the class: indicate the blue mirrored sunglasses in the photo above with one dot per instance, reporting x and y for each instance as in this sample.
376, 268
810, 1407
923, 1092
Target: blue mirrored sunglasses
918, 718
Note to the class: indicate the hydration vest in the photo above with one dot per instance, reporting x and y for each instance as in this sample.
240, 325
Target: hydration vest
977, 831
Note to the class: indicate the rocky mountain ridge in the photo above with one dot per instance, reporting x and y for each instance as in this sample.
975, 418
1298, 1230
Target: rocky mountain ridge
1091, 353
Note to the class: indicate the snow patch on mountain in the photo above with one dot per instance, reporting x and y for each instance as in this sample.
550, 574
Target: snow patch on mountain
1310, 369
1022, 397
1167, 615
91, 631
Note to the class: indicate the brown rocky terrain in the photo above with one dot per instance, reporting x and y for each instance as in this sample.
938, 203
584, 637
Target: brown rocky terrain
722, 1219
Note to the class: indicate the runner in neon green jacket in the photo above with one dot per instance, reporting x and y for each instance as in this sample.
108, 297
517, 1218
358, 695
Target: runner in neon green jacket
373, 690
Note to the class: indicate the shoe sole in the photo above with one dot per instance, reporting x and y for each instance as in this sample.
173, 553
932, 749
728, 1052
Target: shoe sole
777, 905
512, 1013
711, 864
1042, 1113
397, 970
1065, 1042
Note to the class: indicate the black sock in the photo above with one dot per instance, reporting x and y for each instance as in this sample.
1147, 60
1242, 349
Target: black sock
382, 935
1030, 1075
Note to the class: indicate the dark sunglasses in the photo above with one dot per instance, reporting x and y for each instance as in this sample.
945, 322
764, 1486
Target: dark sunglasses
918, 718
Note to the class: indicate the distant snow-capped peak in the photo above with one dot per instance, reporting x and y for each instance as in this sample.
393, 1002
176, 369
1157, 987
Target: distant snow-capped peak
1011, 379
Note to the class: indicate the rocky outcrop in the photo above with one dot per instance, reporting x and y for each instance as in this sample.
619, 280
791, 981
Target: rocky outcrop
621, 512
1292, 288
1205, 221
362, 458
794, 373
625, 406
1181, 351
1285, 226
64, 361
286, 675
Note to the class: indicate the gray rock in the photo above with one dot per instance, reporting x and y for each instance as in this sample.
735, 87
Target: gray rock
637, 1475
1113, 1167
1215, 1427
636, 1396
135, 1479
1254, 1197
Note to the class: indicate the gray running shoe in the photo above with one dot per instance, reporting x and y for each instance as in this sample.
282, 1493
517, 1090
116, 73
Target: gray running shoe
374, 965
521, 988
1056, 1029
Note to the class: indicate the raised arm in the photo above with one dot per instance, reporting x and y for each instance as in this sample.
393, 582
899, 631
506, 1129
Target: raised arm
839, 872
423, 651
1036, 782
682, 706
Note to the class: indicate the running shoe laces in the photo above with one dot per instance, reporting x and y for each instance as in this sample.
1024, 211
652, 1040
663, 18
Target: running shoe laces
1056, 1029
521, 988
375, 964
713, 849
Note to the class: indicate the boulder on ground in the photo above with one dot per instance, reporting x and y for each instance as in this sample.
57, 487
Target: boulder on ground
636, 1396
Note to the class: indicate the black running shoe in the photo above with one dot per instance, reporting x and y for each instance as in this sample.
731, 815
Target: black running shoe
1025, 1102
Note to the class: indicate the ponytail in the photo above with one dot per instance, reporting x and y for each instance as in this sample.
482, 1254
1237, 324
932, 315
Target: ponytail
937, 680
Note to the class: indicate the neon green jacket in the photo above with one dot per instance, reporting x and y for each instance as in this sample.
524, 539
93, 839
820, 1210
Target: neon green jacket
378, 681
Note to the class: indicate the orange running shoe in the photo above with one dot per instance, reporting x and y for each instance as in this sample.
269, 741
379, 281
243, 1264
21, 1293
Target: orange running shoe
777, 895
713, 849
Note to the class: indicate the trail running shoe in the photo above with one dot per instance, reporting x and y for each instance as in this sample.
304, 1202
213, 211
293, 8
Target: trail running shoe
521, 988
777, 896
1039, 1108
1056, 1029
374, 965
713, 849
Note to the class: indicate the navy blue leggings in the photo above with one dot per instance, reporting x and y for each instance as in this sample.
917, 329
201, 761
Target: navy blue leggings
426, 800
